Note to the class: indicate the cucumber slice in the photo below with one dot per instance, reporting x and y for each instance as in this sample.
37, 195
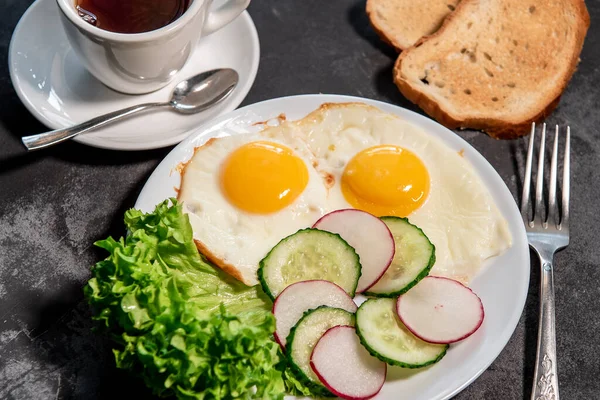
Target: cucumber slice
413, 259
303, 338
310, 254
385, 336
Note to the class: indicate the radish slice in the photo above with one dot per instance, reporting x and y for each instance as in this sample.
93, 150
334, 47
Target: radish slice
300, 297
369, 236
440, 310
345, 367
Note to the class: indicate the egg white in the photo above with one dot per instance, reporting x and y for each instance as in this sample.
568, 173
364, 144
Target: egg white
234, 239
459, 216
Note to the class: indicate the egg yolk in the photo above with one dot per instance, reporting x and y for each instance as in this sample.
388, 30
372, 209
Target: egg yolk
263, 177
386, 180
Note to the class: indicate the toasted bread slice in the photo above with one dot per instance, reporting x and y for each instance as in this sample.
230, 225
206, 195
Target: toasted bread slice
401, 23
495, 65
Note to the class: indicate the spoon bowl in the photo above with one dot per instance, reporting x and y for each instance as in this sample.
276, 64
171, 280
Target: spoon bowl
203, 90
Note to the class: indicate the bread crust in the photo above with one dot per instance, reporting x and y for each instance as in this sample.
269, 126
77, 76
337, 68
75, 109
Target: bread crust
496, 128
379, 30
401, 41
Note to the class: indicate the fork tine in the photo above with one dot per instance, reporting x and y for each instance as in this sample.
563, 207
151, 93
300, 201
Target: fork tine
552, 209
527, 177
539, 179
566, 173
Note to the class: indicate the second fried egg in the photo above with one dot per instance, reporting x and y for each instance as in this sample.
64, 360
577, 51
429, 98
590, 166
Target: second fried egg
384, 165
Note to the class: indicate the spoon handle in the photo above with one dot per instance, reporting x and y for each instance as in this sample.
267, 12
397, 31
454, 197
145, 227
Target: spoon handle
41, 140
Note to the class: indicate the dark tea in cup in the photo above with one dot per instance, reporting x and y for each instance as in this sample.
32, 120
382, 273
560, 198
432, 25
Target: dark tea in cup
131, 16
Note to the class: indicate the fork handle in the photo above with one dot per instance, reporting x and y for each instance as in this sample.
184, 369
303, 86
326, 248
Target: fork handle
545, 379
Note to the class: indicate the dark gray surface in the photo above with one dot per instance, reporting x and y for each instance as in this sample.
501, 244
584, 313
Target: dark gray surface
55, 203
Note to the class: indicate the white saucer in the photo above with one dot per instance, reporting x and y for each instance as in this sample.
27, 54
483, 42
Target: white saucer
59, 91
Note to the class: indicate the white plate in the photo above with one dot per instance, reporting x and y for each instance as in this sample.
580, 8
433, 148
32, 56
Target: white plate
502, 283
59, 91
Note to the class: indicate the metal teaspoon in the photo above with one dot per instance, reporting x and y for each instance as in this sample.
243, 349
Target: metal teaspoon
189, 96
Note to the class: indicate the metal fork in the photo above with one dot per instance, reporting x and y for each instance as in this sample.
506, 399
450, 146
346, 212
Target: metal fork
546, 236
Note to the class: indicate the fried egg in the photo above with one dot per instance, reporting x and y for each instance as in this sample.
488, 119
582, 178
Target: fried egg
379, 163
245, 193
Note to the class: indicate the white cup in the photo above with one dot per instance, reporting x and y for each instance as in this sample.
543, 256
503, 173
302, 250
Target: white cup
138, 63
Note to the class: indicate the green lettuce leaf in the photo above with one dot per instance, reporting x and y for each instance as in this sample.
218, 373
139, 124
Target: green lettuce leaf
187, 329
295, 386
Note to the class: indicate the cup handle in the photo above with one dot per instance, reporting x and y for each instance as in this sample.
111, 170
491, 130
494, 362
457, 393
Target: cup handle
223, 15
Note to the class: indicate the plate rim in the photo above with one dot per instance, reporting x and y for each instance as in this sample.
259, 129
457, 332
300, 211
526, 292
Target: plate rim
167, 165
236, 99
